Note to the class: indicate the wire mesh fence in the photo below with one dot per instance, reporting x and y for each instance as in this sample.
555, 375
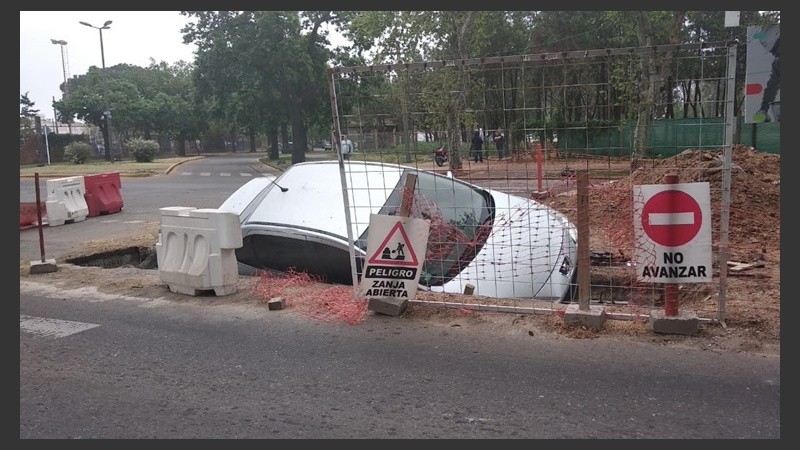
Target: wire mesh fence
497, 142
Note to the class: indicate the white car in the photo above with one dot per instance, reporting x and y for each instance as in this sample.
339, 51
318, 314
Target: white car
503, 245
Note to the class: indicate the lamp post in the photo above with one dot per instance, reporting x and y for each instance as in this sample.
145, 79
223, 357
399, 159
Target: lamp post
107, 113
62, 43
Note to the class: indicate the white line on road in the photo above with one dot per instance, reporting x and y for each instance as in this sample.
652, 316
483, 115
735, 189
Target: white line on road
52, 327
222, 174
122, 221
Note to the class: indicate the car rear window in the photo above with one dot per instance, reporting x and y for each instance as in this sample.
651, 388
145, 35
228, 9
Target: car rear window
461, 216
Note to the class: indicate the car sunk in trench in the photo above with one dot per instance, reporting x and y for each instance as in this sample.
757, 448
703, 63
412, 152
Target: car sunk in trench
503, 245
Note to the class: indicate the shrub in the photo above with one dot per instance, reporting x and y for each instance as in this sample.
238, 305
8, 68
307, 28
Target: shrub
143, 150
78, 152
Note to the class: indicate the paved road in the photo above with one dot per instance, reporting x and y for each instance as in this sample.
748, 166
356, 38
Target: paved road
102, 366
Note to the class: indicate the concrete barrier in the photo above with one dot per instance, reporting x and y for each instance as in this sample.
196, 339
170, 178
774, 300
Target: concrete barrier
65, 201
196, 250
103, 193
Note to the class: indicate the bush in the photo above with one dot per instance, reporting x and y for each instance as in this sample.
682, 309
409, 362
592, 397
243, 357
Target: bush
143, 150
58, 143
78, 152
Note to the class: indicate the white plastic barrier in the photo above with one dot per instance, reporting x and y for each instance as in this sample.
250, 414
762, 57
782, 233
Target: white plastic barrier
196, 250
65, 200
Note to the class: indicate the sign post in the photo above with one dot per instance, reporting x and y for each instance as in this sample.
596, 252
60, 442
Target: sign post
672, 227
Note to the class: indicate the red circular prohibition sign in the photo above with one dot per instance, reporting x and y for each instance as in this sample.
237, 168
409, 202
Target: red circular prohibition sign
671, 218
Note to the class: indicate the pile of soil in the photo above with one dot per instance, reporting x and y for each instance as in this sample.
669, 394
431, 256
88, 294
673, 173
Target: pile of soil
752, 297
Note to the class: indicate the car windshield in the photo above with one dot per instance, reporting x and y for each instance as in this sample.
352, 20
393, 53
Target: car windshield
460, 215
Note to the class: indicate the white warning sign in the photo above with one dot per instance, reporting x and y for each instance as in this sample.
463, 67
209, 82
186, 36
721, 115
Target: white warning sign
396, 249
672, 226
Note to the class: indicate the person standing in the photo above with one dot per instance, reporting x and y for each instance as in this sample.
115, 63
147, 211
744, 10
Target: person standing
500, 143
477, 146
347, 147
771, 40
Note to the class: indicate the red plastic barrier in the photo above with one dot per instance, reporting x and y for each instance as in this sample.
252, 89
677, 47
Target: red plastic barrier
102, 193
27, 214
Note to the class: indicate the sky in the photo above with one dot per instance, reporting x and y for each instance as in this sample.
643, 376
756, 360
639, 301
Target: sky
132, 38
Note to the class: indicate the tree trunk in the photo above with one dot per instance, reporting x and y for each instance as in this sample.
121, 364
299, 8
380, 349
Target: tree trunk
652, 74
670, 98
106, 138
233, 140
453, 137
285, 137
252, 134
181, 147
295, 117
273, 140
406, 122
457, 103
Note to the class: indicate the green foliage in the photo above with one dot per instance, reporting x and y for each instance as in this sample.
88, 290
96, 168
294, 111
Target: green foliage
26, 107
58, 143
143, 101
26, 117
78, 152
143, 150
262, 71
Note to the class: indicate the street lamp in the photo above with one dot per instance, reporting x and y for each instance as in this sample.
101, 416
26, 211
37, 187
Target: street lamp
104, 27
62, 43
106, 115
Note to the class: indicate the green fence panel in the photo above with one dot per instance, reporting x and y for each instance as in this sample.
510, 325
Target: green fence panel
768, 136
666, 137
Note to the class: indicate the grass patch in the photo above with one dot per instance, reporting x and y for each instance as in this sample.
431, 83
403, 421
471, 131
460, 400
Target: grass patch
127, 168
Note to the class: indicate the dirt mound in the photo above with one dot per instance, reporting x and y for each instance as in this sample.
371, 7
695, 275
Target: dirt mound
752, 296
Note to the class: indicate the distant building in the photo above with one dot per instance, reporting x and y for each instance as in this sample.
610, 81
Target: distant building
63, 128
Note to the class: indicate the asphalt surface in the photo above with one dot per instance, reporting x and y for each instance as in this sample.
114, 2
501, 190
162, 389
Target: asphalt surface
95, 366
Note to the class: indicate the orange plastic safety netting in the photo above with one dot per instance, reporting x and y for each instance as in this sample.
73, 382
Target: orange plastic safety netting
311, 297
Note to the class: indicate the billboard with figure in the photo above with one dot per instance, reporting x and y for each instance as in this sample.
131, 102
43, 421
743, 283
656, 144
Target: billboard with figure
762, 101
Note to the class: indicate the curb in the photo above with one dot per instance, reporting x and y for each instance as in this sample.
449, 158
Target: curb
172, 167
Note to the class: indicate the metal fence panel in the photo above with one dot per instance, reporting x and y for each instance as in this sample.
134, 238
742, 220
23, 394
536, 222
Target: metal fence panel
627, 116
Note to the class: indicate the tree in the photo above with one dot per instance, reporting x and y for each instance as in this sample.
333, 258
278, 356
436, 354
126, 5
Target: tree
653, 74
259, 71
27, 116
172, 104
26, 113
91, 98
405, 36
155, 99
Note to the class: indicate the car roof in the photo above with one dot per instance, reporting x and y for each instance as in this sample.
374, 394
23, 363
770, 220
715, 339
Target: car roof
313, 197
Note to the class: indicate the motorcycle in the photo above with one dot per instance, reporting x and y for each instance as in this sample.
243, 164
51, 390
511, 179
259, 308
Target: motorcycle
440, 156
